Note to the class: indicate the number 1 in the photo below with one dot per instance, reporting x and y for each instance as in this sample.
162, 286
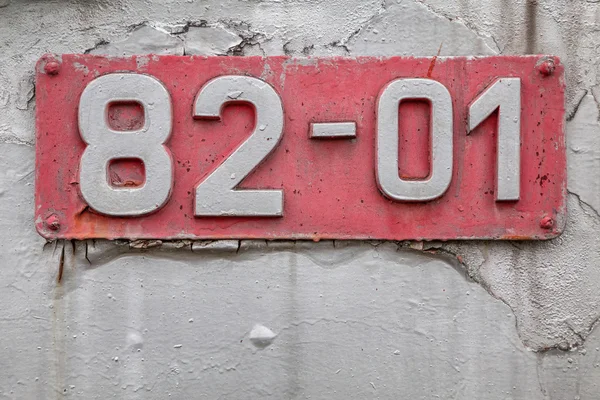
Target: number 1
504, 95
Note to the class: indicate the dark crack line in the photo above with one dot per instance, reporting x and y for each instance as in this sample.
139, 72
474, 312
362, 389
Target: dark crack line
576, 108
538, 364
513, 244
343, 43
12, 139
500, 50
458, 259
382, 9
201, 23
458, 20
581, 202
576, 333
593, 326
286, 49
101, 42
61, 264
596, 100
247, 40
86, 252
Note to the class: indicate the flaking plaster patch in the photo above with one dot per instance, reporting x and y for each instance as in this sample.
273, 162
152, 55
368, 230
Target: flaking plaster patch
210, 41
143, 39
25, 92
410, 29
583, 151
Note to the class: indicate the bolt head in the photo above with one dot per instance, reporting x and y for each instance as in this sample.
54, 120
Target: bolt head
52, 67
547, 223
52, 223
547, 67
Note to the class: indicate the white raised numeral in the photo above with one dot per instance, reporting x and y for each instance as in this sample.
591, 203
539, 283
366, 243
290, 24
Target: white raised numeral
388, 178
504, 95
105, 144
217, 194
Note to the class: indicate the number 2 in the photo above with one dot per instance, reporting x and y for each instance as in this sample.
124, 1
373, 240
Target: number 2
217, 194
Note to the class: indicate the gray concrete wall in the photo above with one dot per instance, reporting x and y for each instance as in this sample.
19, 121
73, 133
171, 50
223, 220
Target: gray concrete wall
329, 320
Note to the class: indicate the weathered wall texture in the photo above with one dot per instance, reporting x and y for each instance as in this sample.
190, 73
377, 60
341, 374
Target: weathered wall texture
249, 320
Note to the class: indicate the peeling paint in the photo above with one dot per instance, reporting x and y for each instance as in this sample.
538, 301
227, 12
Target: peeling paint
25, 92
583, 152
209, 41
143, 39
408, 28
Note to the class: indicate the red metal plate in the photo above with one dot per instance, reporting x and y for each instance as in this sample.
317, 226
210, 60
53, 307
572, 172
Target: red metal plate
330, 187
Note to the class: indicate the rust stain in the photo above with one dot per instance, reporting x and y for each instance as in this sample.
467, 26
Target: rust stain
515, 237
84, 209
433, 61
61, 265
531, 27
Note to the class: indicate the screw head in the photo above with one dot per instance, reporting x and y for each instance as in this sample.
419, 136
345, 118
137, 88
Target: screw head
52, 67
547, 223
546, 68
52, 223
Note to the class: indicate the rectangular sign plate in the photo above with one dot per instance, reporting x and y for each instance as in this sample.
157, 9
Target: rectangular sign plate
185, 147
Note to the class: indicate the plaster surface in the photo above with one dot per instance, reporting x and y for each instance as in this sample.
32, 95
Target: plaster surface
464, 320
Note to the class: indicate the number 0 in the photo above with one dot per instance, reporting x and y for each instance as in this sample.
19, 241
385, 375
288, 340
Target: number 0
388, 179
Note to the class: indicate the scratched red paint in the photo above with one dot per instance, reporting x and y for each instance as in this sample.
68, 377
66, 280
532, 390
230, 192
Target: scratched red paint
329, 186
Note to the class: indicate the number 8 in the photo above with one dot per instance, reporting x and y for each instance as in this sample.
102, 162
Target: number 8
105, 144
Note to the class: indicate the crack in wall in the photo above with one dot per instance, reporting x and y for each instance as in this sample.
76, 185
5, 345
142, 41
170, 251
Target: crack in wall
251, 38
343, 43
97, 45
576, 106
459, 20
595, 212
97, 253
454, 258
248, 38
595, 91
13, 139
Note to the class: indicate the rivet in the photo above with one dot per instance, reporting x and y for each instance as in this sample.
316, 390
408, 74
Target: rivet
52, 223
546, 223
546, 67
52, 67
